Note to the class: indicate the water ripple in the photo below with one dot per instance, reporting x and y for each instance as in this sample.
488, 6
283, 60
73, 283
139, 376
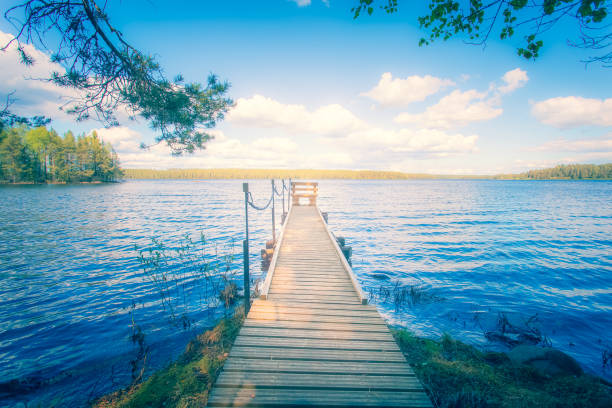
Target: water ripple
69, 272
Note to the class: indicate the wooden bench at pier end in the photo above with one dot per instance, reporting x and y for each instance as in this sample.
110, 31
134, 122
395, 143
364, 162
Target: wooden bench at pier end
301, 189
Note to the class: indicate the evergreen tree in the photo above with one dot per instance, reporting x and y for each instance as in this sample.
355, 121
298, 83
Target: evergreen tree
15, 159
40, 155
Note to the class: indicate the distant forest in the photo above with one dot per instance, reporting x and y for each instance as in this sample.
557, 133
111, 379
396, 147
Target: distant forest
204, 174
571, 171
566, 171
40, 155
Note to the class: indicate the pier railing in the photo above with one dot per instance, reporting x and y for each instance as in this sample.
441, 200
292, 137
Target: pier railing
299, 190
250, 202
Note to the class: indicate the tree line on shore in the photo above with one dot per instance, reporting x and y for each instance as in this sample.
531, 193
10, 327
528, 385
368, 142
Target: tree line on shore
203, 174
571, 171
40, 155
566, 171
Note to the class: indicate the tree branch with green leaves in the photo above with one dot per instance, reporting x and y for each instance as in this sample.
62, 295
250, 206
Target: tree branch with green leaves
477, 20
112, 75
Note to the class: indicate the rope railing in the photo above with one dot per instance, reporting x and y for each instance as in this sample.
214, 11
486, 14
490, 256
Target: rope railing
249, 201
252, 203
285, 188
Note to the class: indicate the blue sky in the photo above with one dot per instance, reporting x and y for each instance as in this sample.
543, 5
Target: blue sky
315, 88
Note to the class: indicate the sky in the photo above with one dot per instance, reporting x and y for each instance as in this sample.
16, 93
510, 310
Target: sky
314, 88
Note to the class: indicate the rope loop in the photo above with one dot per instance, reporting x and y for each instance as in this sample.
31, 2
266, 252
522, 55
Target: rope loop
279, 194
251, 202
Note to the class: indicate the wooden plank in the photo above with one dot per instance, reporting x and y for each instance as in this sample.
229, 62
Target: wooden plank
330, 367
226, 397
317, 297
322, 284
316, 334
319, 381
318, 308
299, 343
317, 280
324, 266
316, 318
341, 327
315, 354
312, 285
296, 290
306, 299
310, 305
314, 312
309, 274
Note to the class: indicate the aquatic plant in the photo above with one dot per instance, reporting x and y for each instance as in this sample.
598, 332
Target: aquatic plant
187, 381
513, 334
139, 363
402, 296
606, 358
188, 274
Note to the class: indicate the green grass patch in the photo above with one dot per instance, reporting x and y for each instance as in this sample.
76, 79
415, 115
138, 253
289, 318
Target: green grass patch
187, 381
455, 374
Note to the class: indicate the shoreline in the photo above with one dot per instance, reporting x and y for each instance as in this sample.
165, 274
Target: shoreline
561, 172
453, 373
57, 183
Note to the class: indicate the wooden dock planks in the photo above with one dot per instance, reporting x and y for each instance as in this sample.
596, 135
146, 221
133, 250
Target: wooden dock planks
312, 341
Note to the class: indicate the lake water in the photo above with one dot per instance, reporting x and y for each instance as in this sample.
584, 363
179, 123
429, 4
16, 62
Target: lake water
71, 285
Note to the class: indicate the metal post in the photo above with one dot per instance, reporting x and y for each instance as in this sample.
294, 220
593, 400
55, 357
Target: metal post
273, 211
245, 251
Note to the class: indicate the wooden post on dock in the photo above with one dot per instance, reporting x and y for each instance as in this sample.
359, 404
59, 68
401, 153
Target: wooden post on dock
273, 211
245, 251
283, 196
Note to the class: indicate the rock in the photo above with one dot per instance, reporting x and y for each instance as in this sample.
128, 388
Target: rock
502, 338
546, 360
347, 251
496, 358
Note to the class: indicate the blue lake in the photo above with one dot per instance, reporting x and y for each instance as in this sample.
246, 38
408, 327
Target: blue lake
71, 285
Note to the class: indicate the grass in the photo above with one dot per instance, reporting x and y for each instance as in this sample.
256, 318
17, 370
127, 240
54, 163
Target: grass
186, 382
455, 375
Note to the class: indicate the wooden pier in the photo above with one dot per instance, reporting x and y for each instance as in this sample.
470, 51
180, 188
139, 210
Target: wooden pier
312, 339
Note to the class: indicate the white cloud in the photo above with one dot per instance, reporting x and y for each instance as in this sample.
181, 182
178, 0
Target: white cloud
455, 109
301, 3
260, 111
399, 91
586, 145
33, 96
222, 151
123, 139
514, 79
460, 108
346, 139
419, 143
573, 111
